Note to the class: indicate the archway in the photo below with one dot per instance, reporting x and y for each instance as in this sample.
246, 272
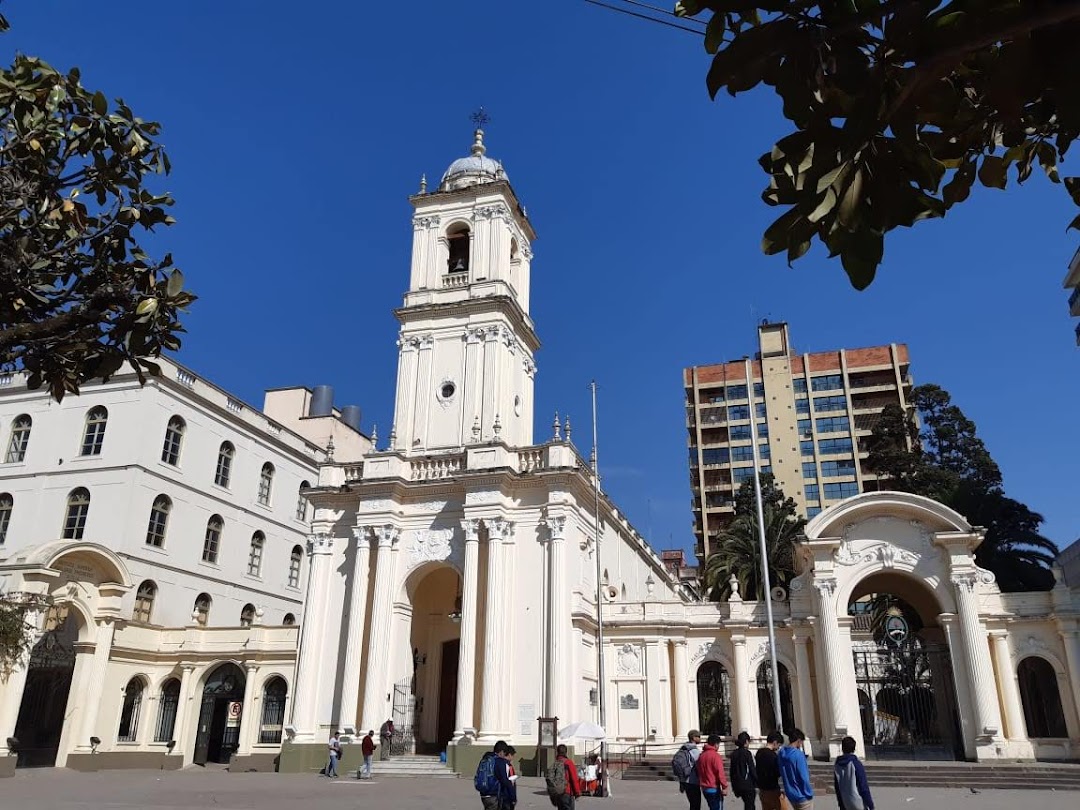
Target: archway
425, 702
903, 671
45, 695
1040, 697
218, 734
766, 713
714, 699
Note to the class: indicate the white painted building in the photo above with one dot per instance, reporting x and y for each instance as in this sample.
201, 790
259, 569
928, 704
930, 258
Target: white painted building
162, 530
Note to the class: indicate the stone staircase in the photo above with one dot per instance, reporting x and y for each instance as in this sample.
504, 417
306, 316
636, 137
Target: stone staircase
408, 765
1013, 776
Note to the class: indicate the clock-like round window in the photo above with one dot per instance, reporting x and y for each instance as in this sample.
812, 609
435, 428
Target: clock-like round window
447, 390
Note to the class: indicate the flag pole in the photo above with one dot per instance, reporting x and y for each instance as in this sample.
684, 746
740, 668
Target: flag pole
766, 582
605, 790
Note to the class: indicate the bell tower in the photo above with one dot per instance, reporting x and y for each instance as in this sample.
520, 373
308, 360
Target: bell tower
467, 344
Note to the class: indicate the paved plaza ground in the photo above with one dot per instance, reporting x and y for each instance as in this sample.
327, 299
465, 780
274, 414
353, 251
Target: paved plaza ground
61, 789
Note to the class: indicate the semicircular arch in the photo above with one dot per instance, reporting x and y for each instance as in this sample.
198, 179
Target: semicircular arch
936, 516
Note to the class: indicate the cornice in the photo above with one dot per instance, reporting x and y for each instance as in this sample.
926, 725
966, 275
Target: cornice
475, 306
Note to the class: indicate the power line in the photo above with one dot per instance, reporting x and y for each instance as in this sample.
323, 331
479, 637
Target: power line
639, 15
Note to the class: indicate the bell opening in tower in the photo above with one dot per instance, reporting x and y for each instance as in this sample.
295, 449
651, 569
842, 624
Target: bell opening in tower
458, 241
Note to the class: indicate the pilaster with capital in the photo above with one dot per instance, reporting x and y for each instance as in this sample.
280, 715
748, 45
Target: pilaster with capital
976, 654
184, 721
358, 599
405, 399
832, 647
249, 721
425, 380
741, 685
681, 686
375, 687
1015, 729
91, 697
309, 668
558, 615
466, 685
496, 641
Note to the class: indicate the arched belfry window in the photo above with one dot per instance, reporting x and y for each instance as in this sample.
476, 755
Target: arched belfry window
457, 239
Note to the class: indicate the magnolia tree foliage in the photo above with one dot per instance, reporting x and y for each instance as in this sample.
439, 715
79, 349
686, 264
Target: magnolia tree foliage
898, 107
80, 295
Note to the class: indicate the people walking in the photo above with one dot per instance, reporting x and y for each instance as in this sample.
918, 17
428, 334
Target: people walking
334, 746
492, 780
768, 771
563, 785
744, 772
367, 748
508, 791
386, 736
684, 766
710, 772
794, 772
849, 779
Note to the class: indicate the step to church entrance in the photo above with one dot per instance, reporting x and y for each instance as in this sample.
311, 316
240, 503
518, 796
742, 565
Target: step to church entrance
410, 765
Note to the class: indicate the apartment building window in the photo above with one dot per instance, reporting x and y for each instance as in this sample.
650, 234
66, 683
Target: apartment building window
764, 452
762, 430
835, 492
738, 433
766, 469
805, 429
144, 602
799, 385
715, 455
829, 382
806, 448
812, 493
742, 453
759, 390
224, 464
813, 511
94, 433
741, 474
20, 439
266, 483
737, 413
833, 424
736, 392
203, 602
809, 471
174, 437
828, 446
713, 396
760, 410
159, 519
302, 503
78, 507
247, 616
255, 554
802, 406
829, 404
7, 504
212, 539
295, 559
838, 468
693, 463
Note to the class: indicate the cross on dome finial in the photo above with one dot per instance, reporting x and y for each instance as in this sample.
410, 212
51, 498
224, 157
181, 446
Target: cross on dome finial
481, 119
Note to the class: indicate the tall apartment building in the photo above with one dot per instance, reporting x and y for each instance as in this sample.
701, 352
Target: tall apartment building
1072, 282
811, 415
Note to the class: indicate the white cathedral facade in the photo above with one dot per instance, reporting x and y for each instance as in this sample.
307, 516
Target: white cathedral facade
454, 574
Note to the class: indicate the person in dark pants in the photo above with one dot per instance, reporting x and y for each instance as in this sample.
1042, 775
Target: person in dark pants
768, 772
710, 770
686, 770
573, 785
849, 779
744, 772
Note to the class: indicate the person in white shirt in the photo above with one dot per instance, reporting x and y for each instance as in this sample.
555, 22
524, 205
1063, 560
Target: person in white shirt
335, 754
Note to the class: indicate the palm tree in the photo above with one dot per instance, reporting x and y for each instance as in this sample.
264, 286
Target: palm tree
738, 553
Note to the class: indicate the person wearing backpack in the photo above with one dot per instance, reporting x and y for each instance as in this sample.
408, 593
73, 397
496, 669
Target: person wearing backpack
710, 773
684, 766
563, 786
744, 772
849, 779
492, 780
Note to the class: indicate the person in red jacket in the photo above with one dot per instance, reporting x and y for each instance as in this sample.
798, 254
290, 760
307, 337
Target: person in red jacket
710, 772
573, 784
367, 748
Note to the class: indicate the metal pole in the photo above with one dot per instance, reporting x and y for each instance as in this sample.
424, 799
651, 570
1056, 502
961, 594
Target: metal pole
765, 578
600, 684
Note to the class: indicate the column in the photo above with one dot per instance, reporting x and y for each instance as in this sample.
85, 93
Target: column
740, 680
1010, 693
1070, 637
472, 382
184, 747
249, 723
350, 684
560, 624
375, 710
976, 655
681, 684
496, 634
833, 655
310, 665
406, 392
805, 693
488, 392
466, 685
91, 699
424, 391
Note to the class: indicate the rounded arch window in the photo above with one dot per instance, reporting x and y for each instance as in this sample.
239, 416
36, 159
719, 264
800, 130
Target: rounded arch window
515, 251
202, 609
275, 693
144, 602
457, 240
20, 439
94, 433
1041, 699
174, 437
129, 714
289, 620
266, 483
714, 699
167, 710
78, 507
247, 615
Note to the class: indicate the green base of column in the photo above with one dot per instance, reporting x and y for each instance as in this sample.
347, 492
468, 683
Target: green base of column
313, 757
463, 759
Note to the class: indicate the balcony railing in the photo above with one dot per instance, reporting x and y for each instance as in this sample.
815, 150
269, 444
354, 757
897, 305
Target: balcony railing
455, 280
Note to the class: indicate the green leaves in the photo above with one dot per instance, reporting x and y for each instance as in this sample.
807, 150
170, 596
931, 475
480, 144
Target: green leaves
896, 108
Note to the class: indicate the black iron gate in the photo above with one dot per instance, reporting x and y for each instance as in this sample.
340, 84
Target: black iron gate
45, 695
404, 717
907, 701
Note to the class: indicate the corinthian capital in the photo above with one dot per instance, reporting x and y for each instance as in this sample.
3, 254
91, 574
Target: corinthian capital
471, 527
320, 543
387, 535
556, 525
826, 586
362, 535
964, 581
499, 528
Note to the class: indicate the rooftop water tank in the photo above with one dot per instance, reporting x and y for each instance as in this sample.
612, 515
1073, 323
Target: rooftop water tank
350, 415
322, 401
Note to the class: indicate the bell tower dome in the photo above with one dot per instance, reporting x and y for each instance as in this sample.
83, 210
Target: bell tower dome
467, 343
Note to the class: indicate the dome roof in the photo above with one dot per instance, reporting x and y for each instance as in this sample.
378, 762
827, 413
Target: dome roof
473, 170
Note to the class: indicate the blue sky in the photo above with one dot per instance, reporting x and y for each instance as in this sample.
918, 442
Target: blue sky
297, 132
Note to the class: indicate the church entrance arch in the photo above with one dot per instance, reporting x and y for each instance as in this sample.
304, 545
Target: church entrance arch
714, 699
218, 733
45, 695
903, 671
425, 701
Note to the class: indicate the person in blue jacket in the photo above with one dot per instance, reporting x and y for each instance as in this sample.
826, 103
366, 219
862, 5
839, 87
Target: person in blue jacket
794, 772
849, 778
